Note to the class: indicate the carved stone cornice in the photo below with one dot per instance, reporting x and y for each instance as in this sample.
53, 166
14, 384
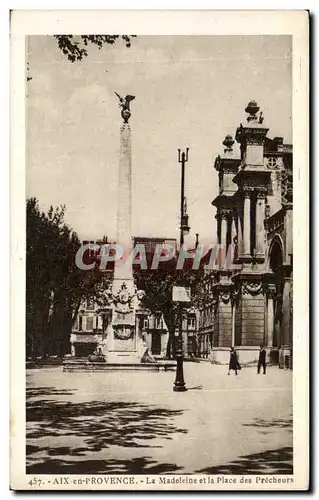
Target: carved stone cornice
251, 134
256, 179
224, 201
252, 287
223, 291
227, 164
245, 276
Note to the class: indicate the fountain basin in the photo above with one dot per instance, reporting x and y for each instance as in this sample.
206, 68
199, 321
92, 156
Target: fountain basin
96, 366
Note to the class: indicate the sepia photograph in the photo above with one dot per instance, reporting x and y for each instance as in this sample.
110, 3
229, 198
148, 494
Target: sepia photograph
158, 330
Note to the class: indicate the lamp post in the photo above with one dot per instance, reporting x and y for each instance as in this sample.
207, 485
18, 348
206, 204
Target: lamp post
179, 384
180, 295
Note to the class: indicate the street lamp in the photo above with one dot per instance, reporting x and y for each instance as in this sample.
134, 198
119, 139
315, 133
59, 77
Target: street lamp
179, 384
181, 295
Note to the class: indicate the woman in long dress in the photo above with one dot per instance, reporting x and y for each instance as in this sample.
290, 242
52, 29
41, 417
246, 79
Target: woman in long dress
233, 362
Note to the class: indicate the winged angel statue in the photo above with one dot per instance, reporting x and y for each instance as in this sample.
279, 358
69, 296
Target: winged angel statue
125, 105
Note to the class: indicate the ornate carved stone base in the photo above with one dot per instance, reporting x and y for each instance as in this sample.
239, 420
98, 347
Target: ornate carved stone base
123, 343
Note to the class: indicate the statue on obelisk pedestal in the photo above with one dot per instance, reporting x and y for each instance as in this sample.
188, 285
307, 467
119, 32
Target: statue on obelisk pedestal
123, 343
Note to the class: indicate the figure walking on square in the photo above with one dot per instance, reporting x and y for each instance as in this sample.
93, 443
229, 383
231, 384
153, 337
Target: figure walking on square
233, 361
262, 360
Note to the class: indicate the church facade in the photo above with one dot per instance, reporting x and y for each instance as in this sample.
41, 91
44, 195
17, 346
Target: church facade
251, 301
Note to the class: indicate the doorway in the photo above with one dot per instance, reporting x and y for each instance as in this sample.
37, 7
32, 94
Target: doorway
156, 344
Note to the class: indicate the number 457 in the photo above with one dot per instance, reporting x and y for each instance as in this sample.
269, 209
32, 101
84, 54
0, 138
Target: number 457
36, 482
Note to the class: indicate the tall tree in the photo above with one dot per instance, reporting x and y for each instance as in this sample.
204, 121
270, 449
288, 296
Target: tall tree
158, 286
55, 286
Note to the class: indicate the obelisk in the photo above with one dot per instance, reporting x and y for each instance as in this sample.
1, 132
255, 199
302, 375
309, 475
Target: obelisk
123, 343
124, 207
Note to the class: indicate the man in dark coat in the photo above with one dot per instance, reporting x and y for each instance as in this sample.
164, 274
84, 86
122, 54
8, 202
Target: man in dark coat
262, 360
233, 361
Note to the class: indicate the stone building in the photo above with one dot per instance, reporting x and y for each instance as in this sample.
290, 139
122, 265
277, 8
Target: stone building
88, 329
251, 302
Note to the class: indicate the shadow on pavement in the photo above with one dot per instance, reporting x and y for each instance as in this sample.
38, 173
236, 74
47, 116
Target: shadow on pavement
278, 461
267, 462
98, 425
272, 424
143, 465
35, 392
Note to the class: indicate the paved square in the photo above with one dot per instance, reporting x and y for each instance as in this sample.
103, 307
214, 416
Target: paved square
133, 423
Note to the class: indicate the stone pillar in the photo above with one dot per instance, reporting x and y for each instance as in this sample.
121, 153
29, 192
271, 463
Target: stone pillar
124, 210
271, 292
234, 238
260, 215
224, 230
233, 323
223, 240
72, 349
286, 316
218, 218
233, 228
240, 232
122, 342
124, 204
246, 235
100, 322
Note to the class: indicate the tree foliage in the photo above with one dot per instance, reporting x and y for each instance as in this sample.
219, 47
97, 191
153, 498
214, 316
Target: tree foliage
158, 286
75, 47
55, 286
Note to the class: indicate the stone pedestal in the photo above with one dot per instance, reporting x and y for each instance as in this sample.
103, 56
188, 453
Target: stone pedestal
123, 340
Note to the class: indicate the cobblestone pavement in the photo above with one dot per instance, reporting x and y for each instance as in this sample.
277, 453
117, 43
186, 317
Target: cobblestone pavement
122, 422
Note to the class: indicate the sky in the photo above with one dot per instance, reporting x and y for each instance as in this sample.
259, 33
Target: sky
190, 92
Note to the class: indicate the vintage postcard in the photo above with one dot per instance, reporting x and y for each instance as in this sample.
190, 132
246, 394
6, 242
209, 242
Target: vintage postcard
159, 201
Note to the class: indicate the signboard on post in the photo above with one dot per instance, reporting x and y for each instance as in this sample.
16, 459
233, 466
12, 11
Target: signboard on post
181, 294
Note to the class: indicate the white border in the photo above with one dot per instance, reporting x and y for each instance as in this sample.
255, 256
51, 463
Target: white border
173, 22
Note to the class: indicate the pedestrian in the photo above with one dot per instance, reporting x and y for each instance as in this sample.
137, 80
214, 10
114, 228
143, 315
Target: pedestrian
262, 360
233, 362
